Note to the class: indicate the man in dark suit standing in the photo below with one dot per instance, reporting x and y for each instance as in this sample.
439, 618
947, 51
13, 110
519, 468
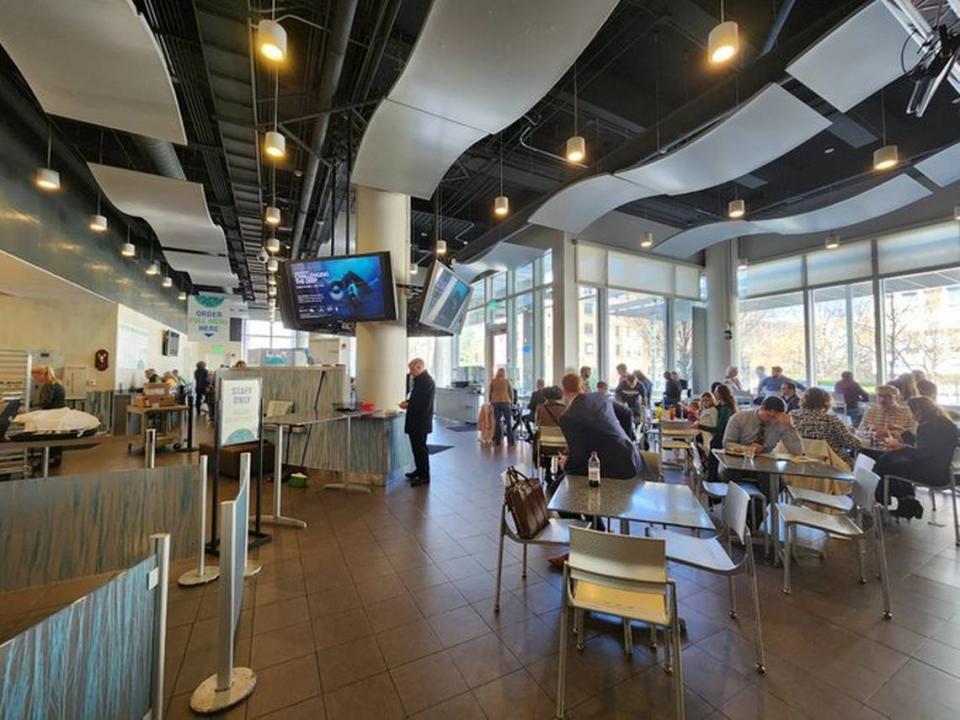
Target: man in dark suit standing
419, 421
589, 424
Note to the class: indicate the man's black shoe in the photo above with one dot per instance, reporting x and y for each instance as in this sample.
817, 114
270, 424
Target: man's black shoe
909, 508
411, 475
417, 482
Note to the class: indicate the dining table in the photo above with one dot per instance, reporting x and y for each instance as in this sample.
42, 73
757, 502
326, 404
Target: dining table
773, 466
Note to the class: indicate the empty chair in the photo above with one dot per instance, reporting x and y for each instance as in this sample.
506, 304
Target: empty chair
623, 576
715, 555
949, 485
864, 520
550, 531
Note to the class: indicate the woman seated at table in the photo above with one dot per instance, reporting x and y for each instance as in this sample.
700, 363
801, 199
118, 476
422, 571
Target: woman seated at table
552, 407
724, 406
926, 461
814, 421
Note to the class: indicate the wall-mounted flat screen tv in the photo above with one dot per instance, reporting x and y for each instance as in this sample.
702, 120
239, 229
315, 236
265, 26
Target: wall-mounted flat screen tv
339, 289
445, 299
171, 343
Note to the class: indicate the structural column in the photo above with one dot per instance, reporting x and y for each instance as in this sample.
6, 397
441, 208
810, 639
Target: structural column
383, 224
721, 269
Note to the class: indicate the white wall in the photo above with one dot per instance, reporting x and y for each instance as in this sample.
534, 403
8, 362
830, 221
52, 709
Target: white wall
140, 346
74, 329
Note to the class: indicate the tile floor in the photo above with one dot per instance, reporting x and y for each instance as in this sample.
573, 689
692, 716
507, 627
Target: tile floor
382, 608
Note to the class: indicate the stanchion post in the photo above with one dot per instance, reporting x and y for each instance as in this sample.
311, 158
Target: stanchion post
202, 574
151, 449
161, 548
278, 472
250, 567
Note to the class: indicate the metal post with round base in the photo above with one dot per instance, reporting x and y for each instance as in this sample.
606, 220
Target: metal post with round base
202, 574
207, 699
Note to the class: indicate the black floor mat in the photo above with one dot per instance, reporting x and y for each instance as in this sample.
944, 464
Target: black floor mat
434, 449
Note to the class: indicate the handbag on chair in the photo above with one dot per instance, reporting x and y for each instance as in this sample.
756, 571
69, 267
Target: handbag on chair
526, 502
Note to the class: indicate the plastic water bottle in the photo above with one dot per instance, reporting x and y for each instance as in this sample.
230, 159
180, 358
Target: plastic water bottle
593, 470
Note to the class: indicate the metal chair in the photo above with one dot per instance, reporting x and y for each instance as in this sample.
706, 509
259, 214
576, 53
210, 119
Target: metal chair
623, 576
841, 503
855, 526
555, 532
715, 555
950, 486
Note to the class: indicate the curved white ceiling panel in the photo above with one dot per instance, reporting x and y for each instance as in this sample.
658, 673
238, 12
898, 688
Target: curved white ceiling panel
943, 167
175, 209
896, 193
95, 61
773, 122
203, 269
476, 68
578, 205
856, 59
407, 150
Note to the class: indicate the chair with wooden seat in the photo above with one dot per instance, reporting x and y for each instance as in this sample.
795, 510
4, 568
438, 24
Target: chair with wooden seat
623, 576
863, 521
949, 486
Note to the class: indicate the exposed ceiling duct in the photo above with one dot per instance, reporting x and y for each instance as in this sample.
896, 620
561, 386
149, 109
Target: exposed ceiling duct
330, 80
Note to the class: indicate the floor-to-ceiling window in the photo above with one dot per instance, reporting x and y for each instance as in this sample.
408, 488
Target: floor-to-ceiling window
546, 342
637, 332
588, 337
524, 340
683, 331
437, 353
844, 334
772, 331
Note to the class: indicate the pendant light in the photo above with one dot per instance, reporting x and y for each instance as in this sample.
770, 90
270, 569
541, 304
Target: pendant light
274, 144
128, 249
956, 212
272, 39
271, 280
647, 241
153, 268
167, 281
736, 209
272, 265
742, 264
576, 145
271, 292
724, 40
441, 247
832, 242
273, 245
414, 269
47, 178
182, 296
501, 204
272, 215
887, 156
98, 222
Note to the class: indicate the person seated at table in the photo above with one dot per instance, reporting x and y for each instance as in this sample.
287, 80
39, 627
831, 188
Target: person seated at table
763, 429
536, 399
853, 395
773, 383
630, 393
691, 410
788, 393
590, 424
888, 417
552, 407
724, 405
732, 381
672, 391
814, 421
927, 460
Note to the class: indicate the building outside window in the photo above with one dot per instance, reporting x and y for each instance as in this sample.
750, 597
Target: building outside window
586, 303
641, 321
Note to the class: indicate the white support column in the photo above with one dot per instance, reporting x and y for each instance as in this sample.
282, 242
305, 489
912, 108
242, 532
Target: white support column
565, 354
383, 223
721, 270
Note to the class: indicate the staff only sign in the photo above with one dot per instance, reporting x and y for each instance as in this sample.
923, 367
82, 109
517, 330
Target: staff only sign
209, 315
239, 411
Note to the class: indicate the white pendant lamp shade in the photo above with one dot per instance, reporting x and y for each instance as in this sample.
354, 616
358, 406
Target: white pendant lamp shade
886, 157
271, 280
576, 148
153, 268
47, 179
271, 292
832, 242
647, 241
272, 39
128, 250
742, 264
723, 42
956, 212
98, 223
182, 296
167, 281
273, 245
414, 269
736, 209
501, 205
272, 265
274, 144
441, 247
272, 216
271, 303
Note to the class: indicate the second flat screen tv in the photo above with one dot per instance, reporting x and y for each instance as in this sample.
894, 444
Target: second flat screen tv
346, 288
445, 298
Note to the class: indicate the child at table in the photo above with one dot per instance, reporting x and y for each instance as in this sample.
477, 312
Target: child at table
691, 411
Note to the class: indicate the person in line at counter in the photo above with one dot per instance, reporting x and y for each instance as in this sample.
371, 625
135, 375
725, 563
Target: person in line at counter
888, 418
501, 399
201, 383
418, 423
52, 393
151, 375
